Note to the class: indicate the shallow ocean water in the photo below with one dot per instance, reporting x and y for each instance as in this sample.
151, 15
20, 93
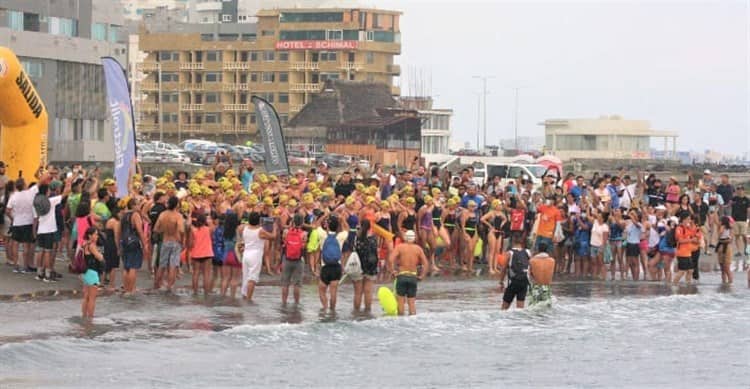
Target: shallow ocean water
596, 334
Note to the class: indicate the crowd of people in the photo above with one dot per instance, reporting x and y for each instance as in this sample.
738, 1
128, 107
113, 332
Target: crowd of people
226, 226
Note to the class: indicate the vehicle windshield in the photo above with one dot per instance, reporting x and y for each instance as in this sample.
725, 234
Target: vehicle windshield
536, 170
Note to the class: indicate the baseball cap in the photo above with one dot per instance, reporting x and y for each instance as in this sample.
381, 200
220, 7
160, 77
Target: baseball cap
707, 171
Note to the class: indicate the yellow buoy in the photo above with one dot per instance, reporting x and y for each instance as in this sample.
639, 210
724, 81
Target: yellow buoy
387, 301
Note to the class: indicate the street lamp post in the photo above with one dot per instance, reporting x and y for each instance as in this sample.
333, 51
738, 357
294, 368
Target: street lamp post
484, 93
161, 118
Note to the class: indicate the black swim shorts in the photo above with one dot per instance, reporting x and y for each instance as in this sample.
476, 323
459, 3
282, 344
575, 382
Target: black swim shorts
330, 273
516, 289
406, 286
684, 263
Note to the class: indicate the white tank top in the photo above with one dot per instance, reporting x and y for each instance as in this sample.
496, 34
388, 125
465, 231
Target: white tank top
251, 239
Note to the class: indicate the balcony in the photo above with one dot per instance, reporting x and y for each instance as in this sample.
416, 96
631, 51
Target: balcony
231, 129
236, 107
190, 127
299, 66
234, 87
147, 127
394, 69
351, 66
191, 107
147, 66
395, 90
149, 107
191, 66
188, 87
312, 88
236, 66
149, 87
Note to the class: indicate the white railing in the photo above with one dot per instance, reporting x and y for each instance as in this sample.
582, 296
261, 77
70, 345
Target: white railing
191, 107
191, 66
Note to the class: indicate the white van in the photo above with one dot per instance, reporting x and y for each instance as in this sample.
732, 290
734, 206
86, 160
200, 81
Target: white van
512, 171
190, 144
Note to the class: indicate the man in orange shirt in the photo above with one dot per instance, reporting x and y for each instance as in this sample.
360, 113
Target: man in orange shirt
687, 238
548, 215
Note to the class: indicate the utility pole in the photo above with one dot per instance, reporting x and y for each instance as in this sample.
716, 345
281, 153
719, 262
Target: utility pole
515, 120
479, 115
484, 92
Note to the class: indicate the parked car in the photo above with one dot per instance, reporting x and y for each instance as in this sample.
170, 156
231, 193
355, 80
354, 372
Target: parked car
363, 164
191, 144
143, 147
150, 156
175, 157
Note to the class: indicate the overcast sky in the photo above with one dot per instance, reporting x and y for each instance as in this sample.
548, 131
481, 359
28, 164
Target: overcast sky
681, 65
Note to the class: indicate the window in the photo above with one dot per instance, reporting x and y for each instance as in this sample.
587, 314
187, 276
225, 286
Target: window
100, 130
62, 26
370, 35
169, 77
283, 77
383, 36
253, 56
77, 127
328, 76
228, 37
254, 77
213, 77
243, 78
212, 98
33, 67
267, 33
207, 37
302, 35
226, 18
169, 118
213, 56
334, 35
99, 31
169, 56
30, 22
284, 118
252, 118
249, 37
268, 96
375, 21
351, 35
268, 56
211, 118
283, 56
306, 17
114, 33
370, 57
243, 120
170, 97
15, 20
329, 56
283, 98
268, 77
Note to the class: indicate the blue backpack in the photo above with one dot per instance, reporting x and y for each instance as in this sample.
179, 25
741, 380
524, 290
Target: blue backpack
331, 250
217, 241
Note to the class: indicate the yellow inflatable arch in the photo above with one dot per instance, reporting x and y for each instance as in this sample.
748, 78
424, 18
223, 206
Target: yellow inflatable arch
23, 120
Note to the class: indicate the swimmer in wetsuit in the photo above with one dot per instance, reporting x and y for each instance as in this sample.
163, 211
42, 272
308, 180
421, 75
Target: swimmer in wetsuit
449, 222
427, 230
469, 223
494, 220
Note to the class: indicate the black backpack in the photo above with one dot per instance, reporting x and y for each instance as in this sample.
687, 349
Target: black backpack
367, 250
519, 265
129, 239
672, 238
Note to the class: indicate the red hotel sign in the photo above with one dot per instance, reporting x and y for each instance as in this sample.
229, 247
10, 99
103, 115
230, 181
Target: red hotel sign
316, 45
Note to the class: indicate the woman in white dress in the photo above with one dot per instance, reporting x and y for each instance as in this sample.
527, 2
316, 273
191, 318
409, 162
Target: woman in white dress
251, 250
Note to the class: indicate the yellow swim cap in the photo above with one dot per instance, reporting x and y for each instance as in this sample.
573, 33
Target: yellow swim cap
410, 200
